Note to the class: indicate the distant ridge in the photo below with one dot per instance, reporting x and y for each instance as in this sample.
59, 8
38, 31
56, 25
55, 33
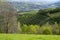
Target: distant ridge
28, 6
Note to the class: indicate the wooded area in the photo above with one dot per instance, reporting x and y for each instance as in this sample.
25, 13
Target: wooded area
44, 21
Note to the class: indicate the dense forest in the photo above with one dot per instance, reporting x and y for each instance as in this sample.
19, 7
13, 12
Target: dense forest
43, 21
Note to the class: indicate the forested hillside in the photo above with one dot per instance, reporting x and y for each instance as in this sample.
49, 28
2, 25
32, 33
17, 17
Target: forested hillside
43, 21
46, 21
29, 19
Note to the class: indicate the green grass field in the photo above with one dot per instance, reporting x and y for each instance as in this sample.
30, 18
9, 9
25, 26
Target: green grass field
28, 37
29, 12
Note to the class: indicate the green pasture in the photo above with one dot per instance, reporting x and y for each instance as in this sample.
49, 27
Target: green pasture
28, 37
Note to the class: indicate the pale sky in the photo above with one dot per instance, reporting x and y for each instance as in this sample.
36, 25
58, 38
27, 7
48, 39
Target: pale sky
37, 0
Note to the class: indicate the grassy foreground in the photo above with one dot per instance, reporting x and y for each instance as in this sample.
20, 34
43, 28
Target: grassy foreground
28, 37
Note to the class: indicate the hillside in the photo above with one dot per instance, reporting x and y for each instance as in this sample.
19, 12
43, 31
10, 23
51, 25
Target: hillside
44, 21
57, 4
28, 6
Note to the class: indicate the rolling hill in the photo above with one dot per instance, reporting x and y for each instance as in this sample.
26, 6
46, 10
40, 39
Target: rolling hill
28, 6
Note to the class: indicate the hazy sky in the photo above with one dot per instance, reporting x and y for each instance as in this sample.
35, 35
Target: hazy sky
37, 0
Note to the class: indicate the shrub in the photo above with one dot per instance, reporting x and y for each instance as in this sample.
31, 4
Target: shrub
24, 28
56, 29
33, 29
47, 29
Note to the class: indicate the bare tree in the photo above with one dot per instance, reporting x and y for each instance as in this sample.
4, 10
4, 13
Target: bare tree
8, 21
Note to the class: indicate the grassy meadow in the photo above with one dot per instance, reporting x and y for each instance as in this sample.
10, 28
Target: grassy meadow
28, 37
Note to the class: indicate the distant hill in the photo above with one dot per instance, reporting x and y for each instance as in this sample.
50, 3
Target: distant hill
28, 6
57, 4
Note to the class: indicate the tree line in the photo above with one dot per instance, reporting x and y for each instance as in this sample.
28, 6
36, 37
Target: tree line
44, 16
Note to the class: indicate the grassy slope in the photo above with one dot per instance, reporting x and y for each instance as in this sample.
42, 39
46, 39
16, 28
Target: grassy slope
55, 15
30, 12
28, 37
